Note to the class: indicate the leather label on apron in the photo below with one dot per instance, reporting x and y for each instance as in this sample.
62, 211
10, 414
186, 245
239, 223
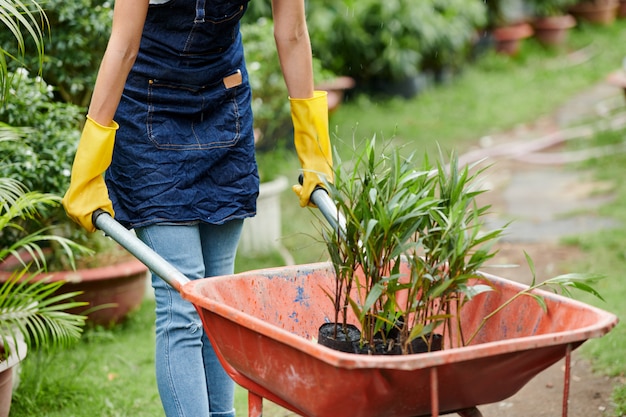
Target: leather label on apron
233, 80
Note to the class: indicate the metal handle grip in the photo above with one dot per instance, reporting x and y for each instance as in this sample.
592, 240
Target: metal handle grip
103, 221
325, 204
335, 218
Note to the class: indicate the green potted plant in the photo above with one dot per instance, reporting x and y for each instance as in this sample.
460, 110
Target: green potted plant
552, 21
408, 258
379, 44
42, 159
32, 311
425, 218
51, 110
456, 24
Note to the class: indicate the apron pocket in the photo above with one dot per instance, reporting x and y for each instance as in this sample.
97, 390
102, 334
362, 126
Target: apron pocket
183, 117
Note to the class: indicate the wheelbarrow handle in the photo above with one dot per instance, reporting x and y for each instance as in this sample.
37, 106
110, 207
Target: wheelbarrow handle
127, 239
335, 218
329, 210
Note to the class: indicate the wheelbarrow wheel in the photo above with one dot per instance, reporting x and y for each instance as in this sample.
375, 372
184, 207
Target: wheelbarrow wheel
470, 412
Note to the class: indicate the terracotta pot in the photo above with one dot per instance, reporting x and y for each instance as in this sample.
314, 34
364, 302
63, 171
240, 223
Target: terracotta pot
6, 391
553, 30
112, 291
7, 379
597, 12
621, 10
508, 38
336, 89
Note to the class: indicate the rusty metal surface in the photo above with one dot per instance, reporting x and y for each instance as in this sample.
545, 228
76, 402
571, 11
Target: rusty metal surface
264, 324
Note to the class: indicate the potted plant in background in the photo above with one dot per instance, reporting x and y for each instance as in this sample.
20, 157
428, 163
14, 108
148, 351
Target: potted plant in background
270, 104
379, 44
551, 21
385, 46
32, 311
602, 12
272, 122
507, 22
42, 159
408, 259
455, 26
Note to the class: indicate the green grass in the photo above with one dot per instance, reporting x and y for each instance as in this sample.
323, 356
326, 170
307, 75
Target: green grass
495, 94
111, 372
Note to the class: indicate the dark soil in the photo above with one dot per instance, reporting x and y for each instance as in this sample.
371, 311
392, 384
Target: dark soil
349, 340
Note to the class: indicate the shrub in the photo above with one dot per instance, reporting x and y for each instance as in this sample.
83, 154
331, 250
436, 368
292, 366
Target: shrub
550, 7
37, 148
23, 22
390, 41
270, 103
455, 23
42, 156
79, 32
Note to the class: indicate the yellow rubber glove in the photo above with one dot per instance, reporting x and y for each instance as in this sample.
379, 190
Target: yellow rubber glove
312, 141
88, 191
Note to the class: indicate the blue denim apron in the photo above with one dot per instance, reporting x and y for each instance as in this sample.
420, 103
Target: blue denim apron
185, 148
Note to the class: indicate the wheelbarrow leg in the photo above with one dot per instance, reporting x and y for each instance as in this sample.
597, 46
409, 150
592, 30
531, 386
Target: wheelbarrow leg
434, 392
255, 405
434, 399
566, 381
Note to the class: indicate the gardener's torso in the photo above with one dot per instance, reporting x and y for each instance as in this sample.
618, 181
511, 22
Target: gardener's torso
185, 148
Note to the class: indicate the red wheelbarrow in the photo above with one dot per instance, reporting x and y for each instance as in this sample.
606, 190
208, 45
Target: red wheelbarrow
263, 326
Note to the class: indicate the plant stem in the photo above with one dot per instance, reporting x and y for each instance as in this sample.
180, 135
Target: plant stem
496, 311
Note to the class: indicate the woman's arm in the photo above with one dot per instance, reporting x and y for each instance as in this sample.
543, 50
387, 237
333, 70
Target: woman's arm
309, 109
128, 19
294, 47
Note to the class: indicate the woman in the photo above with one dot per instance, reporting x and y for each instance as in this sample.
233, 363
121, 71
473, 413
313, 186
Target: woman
170, 121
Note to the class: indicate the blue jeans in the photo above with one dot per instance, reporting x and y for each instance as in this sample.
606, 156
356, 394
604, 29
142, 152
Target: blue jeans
191, 381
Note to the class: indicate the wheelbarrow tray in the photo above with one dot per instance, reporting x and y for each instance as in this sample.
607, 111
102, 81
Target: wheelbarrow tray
263, 325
